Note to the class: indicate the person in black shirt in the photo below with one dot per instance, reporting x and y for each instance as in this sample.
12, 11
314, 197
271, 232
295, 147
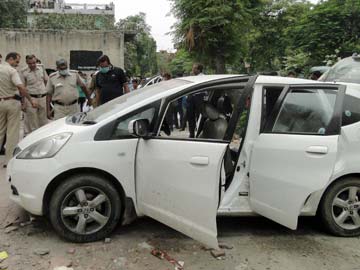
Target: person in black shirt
110, 81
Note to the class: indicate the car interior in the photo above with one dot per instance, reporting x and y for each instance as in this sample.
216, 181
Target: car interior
213, 114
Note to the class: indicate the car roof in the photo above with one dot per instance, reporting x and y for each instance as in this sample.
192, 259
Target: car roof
262, 79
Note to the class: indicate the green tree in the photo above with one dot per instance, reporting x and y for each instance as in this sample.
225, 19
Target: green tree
13, 13
213, 31
164, 59
330, 26
140, 52
181, 63
271, 34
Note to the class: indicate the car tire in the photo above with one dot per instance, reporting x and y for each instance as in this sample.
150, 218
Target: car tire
85, 208
339, 208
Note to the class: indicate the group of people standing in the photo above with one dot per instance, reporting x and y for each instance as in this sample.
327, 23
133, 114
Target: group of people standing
187, 109
44, 97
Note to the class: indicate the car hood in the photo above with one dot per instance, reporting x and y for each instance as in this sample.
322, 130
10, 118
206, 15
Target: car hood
53, 128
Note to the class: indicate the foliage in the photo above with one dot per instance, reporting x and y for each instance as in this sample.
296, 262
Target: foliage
74, 21
164, 59
181, 64
140, 52
272, 33
213, 30
329, 26
269, 35
13, 13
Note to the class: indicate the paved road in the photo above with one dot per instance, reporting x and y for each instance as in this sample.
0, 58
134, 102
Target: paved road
257, 244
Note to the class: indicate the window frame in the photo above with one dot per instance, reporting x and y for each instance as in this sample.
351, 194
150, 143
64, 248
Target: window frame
235, 84
263, 120
106, 132
334, 126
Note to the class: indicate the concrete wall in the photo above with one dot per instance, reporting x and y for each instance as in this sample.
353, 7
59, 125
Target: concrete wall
50, 45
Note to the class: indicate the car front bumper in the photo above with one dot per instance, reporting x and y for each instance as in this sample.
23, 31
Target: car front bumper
28, 180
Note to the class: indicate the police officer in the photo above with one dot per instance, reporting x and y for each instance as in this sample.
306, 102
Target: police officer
35, 78
10, 107
62, 91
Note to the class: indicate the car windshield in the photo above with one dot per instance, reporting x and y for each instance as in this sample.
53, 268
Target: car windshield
102, 112
346, 70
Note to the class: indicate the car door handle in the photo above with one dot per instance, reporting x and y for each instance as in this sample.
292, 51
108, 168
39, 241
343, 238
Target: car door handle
199, 160
323, 150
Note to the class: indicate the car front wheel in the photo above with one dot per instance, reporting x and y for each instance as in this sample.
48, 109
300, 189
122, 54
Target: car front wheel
340, 207
85, 208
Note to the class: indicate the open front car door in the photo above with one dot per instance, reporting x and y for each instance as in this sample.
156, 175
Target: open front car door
177, 184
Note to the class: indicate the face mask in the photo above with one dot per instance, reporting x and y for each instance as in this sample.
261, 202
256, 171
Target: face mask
104, 69
63, 72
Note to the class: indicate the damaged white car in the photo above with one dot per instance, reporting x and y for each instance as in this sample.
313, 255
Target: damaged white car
273, 146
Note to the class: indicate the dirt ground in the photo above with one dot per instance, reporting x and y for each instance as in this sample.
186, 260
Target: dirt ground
256, 243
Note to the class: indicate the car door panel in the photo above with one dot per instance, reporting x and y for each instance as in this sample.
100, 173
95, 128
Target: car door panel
283, 174
177, 183
295, 154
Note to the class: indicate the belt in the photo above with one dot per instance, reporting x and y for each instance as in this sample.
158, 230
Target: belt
6, 98
63, 104
38, 96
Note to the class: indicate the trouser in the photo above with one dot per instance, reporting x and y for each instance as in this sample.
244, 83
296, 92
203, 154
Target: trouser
10, 112
169, 116
81, 102
61, 111
195, 104
35, 117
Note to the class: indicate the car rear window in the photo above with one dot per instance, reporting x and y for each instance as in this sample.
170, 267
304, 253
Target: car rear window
351, 110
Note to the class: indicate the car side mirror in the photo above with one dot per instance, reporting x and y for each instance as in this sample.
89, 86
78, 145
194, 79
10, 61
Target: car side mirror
139, 128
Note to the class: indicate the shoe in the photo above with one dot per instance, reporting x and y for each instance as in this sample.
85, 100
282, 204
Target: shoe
4, 166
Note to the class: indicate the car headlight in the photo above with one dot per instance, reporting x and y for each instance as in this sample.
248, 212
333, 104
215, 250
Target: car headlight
45, 148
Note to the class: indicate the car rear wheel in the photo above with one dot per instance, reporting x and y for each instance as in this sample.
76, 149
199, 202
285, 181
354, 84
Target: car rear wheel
85, 208
340, 207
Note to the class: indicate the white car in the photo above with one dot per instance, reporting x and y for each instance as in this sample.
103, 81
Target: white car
151, 81
274, 146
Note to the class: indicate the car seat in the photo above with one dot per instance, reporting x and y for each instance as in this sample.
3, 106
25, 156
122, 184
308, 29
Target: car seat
215, 124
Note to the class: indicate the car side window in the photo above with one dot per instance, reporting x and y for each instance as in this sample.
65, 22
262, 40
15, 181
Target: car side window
271, 95
202, 115
305, 111
351, 110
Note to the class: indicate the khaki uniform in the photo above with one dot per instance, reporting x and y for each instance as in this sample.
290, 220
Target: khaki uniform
34, 81
10, 109
64, 93
92, 88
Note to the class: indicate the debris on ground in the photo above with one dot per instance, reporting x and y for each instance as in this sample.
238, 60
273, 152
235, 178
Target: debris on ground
63, 268
145, 245
120, 262
10, 223
3, 256
27, 223
218, 253
4, 266
179, 265
11, 228
107, 240
71, 251
225, 246
41, 251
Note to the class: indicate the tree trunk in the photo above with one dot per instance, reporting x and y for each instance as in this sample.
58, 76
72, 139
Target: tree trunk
220, 63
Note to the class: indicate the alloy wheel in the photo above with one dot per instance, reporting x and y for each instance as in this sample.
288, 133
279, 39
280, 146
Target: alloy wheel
345, 208
85, 210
